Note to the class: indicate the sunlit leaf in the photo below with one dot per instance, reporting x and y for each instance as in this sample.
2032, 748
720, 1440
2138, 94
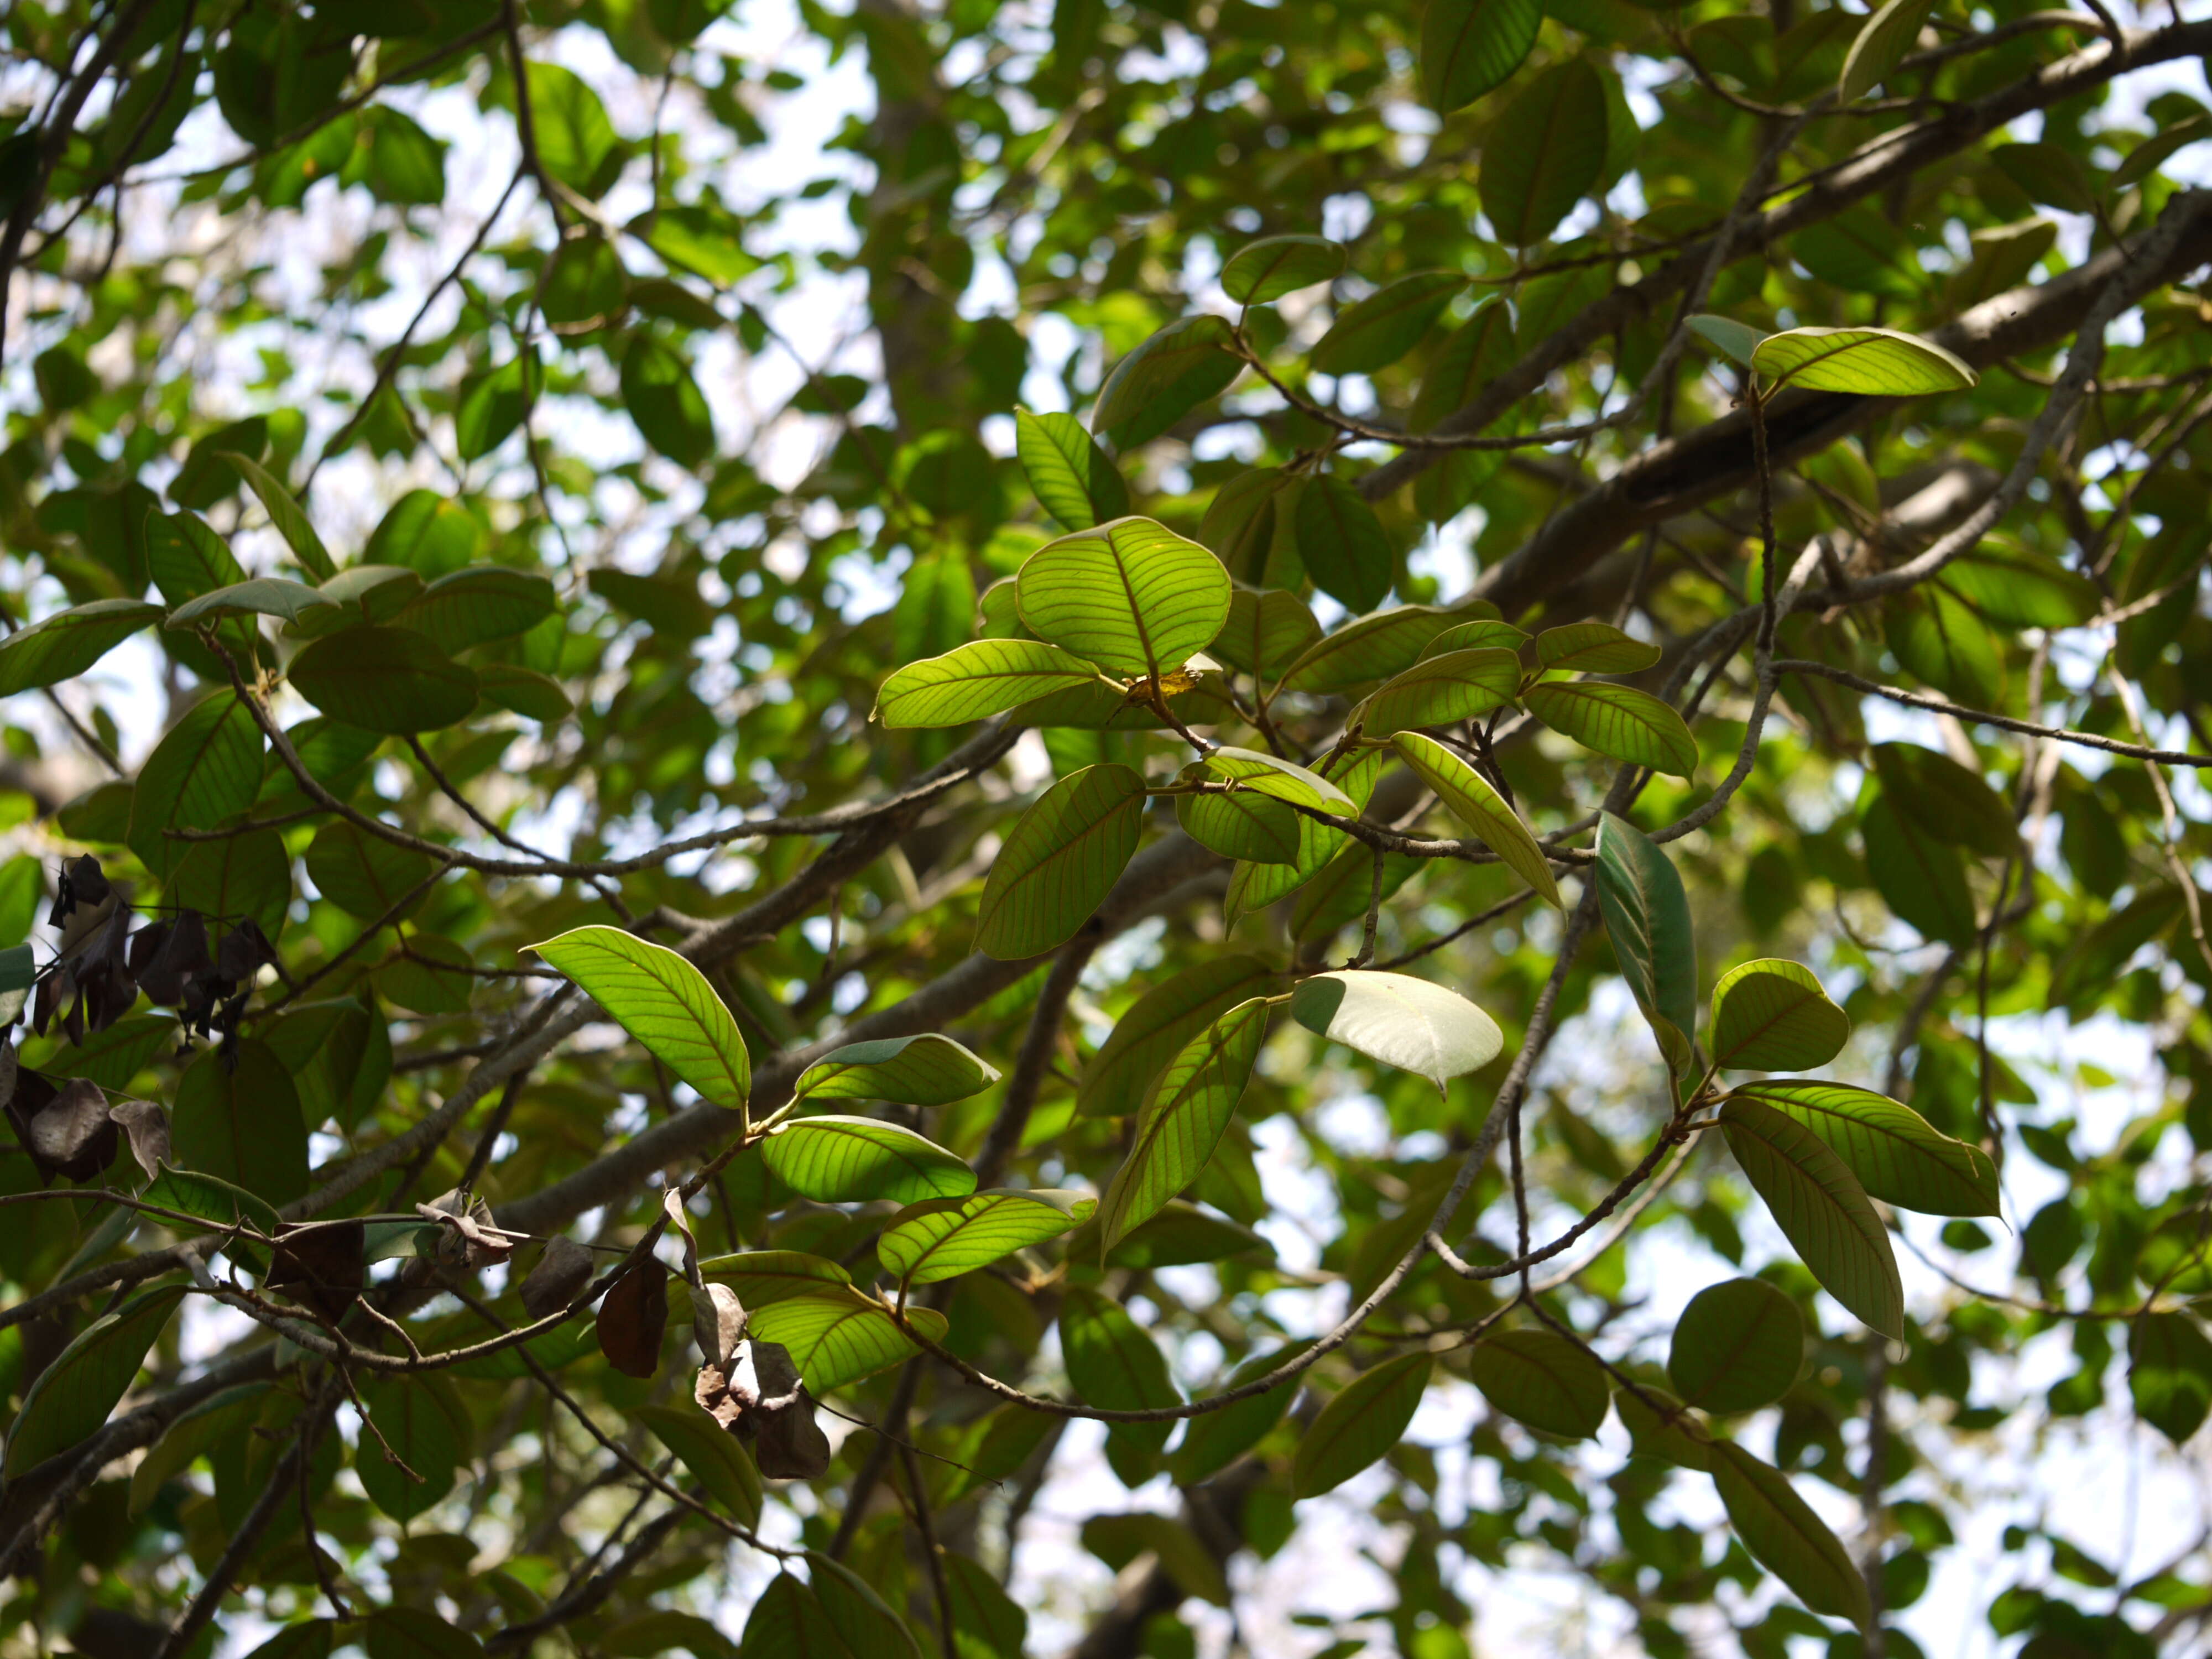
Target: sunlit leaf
1401, 1021
664, 1002
1059, 860
1821, 1209
1773, 1016
1182, 1119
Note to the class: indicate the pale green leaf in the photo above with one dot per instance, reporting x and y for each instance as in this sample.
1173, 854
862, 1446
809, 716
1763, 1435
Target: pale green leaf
1594, 647
1405, 1022
1470, 798
1182, 1119
1878, 363
940, 1237
287, 514
1617, 721
1059, 860
1441, 690
1157, 1026
928, 1070
834, 1160
1072, 477
840, 1337
976, 680
1129, 595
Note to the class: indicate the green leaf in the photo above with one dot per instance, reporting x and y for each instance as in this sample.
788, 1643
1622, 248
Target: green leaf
1945, 799
666, 403
1375, 331
585, 287
942, 1237
1252, 886
361, 593
493, 404
1267, 631
2014, 587
1479, 350
1241, 824
1113, 1364
1130, 595
1339, 896
1187, 362
1647, 916
928, 1070
1371, 648
1920, 879
246, 877
1739, 1345
1470, 46
1895, 1154
241, 1123
2050, 175
710, 1455
986, 1622
835, 1160
1938, 641
1653, 1435
401, 1632
1544, 152
1401, 1021
1275, 265
1617, 721
192, 1436
1441, 690
412, 1416
1059, 861
1219, 1439
1182, 1119
206, 770
1544, 1380
788, 1622
576, 143
1368, 1417
1158, 1027
1785, 1536
1821, 1209
204, 479
1343, 544
2170, 1373
1738, 340
218, 1203
2144, 159
110, 1058
475, 605
73, 1395
1241, 522
1118, 1540
1888, 36
1074, 479
1594, 647
68, 642
703, 240
263, 595
975, 681
760, 1277
840, 1337
866, 1626
1484, 634
1773, 1016
1877, 362
363, 875
523, 691
1468, 796
285, 514
664, 1002
392, 680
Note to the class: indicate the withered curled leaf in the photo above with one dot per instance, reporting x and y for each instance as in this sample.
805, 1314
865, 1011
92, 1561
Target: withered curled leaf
759, 1397
563, 1268
321, 1266
147, 1128
633, 1317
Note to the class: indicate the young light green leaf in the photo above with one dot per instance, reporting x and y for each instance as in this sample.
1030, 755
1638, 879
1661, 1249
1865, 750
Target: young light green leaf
1594, 647
1059, 861
1785, 1536
1190, 360
1275, 265
1896, 1154
1821, 1209
287, 514
975, 681
1156, 1029
1484, 634
73, 1395
1072, 477
838, 1160
1877, 362
1469, 797
1359, 1427
1182, 1119
1372, 648
1738, 1345
68, 642
385, 679
663, 1001
1343, 544
1129, 595
1400, 1020
1738, 340
840, 1337
710, 1455
1441, 690
2170, 1373
1881, 47
1266, 630
1647, 916
1375, 333
942, 1237
928, 1070
1260, 773
1470, 46
1617, 721
1544, 1380
1544, 152
1112, 1364
1773, 1016
1241, 824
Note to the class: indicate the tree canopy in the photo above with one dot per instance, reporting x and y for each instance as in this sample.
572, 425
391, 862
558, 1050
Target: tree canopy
1408, 786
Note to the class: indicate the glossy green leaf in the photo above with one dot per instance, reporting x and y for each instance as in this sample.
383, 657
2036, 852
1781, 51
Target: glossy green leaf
1738, 1345
1072, 478
1647, 916
1470, 46
1544, 152
471, 607
1343, 544
1268, 269
1594, 647
1182, 1119
68, 642
1897, 1156
928, 1070
977, 680
1267, 631
1617, 721
1442, 690
1113, 1363
1375, 333
710, 1455
1786, 1537
1470, 798
1542, 1379
1129, 595
1358, 1428
74, 1395
1878, 363
1059, 860
385, 679
237, 1117
2170, 1373
840, 1337
1921, 879
289, 518
205, 770
1372, 648
1821, 1209
1158, 1027
941, 1238
835, 1160
664, 1002
1408, 1022
1186, 363
1773, 1016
